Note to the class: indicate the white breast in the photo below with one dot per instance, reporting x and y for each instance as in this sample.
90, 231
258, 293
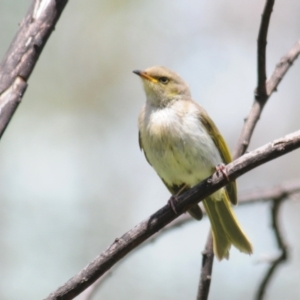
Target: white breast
176, 143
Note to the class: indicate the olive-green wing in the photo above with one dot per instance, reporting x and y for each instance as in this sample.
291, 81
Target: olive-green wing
223, 150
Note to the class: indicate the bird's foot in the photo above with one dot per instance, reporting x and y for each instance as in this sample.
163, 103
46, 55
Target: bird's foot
171, 203
221, 169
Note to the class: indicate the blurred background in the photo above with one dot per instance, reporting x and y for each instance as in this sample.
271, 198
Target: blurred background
72, 177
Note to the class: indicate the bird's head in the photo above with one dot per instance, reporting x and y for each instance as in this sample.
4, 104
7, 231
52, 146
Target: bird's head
162, 86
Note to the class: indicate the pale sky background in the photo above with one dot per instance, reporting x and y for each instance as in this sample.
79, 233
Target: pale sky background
72, 177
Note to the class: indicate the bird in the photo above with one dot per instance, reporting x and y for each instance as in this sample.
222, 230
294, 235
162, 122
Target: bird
184, 146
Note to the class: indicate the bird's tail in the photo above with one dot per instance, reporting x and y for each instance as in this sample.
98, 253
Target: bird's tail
226, 229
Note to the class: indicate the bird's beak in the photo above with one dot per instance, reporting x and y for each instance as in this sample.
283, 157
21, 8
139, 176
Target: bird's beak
144, 75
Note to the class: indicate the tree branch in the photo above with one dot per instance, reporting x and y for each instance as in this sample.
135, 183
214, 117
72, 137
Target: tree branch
23, 54
134, 237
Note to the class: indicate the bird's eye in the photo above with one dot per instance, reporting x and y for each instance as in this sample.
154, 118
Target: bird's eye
163, 80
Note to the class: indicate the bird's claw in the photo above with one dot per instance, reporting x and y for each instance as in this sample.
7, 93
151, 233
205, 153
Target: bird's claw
221, 168
171, 203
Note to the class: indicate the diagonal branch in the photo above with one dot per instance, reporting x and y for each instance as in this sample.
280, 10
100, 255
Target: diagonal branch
23, 53
134, 237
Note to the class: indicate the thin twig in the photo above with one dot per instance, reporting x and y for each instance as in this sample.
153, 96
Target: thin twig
283, 256
261, 96
244, 139
207, 265
261, 90
134, 237
282, 67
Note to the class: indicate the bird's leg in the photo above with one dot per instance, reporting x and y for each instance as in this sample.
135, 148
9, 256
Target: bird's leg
171, 203
173, 199
221, 168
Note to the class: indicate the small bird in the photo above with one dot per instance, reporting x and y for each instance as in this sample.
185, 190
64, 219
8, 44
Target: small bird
184, 146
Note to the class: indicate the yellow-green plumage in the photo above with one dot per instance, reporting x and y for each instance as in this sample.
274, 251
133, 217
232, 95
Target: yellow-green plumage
225, 227
184, 146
